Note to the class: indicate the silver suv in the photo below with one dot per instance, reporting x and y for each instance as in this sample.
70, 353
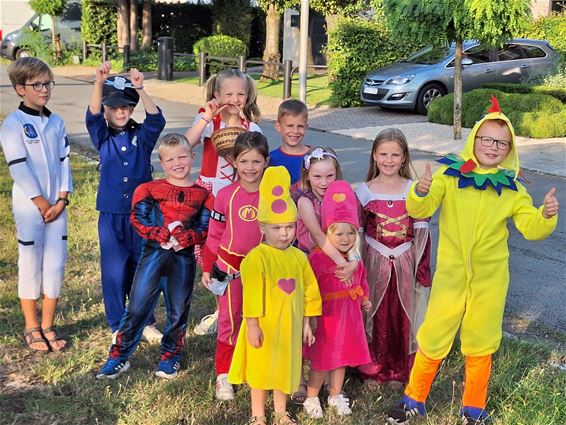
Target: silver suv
413, 83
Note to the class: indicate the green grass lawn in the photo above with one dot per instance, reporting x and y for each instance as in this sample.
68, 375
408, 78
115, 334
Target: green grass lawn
61, 388
318, 92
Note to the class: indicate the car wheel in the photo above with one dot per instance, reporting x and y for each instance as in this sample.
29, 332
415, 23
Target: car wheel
24, 52
427, 94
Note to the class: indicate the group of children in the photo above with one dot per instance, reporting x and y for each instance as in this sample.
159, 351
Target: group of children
302, 267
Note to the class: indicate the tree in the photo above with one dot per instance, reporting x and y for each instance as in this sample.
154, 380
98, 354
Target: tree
52, 8
432, 21
133, 25
123, 24
233, 18
271, 53
333, 10
146, 24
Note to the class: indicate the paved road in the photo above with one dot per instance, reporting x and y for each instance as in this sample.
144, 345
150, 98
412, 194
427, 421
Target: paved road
538, 282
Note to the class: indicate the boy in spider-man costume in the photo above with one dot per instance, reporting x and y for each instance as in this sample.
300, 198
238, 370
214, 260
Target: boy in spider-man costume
171, 215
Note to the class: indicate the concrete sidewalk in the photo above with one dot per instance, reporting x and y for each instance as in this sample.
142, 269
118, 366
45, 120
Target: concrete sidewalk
541, 155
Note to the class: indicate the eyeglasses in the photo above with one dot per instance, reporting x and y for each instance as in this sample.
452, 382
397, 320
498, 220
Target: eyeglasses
39, 86
488, 142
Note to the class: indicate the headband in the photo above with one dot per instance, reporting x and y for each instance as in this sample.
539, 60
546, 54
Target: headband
318, 153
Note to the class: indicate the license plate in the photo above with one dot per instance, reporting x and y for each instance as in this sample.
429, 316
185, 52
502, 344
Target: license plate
370, 90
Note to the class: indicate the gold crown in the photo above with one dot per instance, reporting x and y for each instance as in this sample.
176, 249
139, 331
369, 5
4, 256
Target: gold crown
223, 139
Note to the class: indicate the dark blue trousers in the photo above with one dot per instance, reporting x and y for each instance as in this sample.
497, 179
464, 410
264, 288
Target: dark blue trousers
179, 271
120, 249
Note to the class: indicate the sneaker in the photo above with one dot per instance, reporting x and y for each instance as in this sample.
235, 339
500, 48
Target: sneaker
112, 368
407, 409
151, 335
168, 368
224, 390
208, 325
341, 404
313, 408
474, 416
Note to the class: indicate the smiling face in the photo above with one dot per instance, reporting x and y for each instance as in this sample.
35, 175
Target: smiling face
232, 91
35, 99
176, 162
491, 157
320, 175
342, 236
292, 129
250, 165
118, 116
279, 236
389, 158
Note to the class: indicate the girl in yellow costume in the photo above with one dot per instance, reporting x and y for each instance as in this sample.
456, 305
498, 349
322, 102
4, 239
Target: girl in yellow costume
280, 293
478, 192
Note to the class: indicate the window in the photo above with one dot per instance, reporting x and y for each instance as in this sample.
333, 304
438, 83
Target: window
533, 52
478, 54
511, 52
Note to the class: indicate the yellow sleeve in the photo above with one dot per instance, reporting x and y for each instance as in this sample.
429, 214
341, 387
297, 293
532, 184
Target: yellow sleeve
253, 284
312, 300
528, 219
425, 206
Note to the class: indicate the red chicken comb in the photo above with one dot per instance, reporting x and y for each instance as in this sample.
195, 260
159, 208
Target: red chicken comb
494, 105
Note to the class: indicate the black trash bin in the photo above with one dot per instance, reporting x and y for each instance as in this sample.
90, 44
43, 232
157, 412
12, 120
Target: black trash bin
165, 58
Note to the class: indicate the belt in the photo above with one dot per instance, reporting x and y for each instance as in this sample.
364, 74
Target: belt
353, 293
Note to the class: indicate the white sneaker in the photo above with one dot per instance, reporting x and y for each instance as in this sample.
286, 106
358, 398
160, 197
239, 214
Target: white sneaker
152, 335
313, 408
224, 390
341, 404
208, 325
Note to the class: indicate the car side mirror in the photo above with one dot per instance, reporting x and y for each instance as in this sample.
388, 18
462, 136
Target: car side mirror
467, 61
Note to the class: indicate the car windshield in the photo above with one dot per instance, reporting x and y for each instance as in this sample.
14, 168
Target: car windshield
429, 55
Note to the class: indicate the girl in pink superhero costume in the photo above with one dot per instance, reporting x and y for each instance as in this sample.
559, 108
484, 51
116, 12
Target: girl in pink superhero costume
397, 258
234, 231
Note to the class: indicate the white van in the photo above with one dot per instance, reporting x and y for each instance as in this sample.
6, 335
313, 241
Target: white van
68, 26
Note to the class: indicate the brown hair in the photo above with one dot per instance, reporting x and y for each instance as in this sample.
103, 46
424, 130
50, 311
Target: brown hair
251, 140
25, 69
292, 107
390, 135
214, 83
305, 184
171, 140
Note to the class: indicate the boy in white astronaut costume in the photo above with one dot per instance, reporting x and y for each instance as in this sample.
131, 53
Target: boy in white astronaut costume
36, 147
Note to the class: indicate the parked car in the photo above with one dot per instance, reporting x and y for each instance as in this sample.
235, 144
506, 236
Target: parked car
414, 82
68, 26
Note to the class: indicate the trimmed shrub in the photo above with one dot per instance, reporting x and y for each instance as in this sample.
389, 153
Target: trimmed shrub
557, 92
220, 45
355, 48
532, 115
550, 28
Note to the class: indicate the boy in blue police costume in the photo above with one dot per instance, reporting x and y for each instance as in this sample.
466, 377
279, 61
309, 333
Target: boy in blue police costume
125, 150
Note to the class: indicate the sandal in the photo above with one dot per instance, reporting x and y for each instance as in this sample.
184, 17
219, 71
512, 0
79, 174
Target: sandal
284, 418
29, 339
55, 338
257, 420
299, 396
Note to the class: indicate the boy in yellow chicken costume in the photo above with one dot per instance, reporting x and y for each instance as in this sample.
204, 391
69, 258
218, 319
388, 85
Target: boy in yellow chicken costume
478, 192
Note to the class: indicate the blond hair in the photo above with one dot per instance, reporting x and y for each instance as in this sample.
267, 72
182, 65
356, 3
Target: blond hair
293, 107
354, 252
305, 183
214, 84
172, 140
391, 135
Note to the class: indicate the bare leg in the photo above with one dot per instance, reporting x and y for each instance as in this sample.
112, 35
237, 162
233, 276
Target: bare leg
258, 402
49, 306
336, 381
316, 379
29, 308
279, 401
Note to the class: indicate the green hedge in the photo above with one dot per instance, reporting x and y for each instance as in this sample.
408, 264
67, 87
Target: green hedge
532, 115
220, 45
550, 28
356, 47
98, 22
557, 92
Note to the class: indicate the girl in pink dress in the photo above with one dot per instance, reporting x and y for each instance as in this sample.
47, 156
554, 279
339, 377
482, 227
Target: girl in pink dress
396, 253
339, 335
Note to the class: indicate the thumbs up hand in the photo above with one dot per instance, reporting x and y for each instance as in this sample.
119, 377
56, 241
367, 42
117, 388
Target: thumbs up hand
423, 186
550, 204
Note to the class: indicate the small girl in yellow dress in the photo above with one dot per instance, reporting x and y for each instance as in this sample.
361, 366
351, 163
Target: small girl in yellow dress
280, 293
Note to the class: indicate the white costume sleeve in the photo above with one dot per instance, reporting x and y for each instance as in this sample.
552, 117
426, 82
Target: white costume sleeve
64, 152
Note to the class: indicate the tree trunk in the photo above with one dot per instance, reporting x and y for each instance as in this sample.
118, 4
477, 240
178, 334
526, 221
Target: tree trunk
271, 54
310, 56
331, 23
146, 24
55, 41
133, 25
458, 91
123, 24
